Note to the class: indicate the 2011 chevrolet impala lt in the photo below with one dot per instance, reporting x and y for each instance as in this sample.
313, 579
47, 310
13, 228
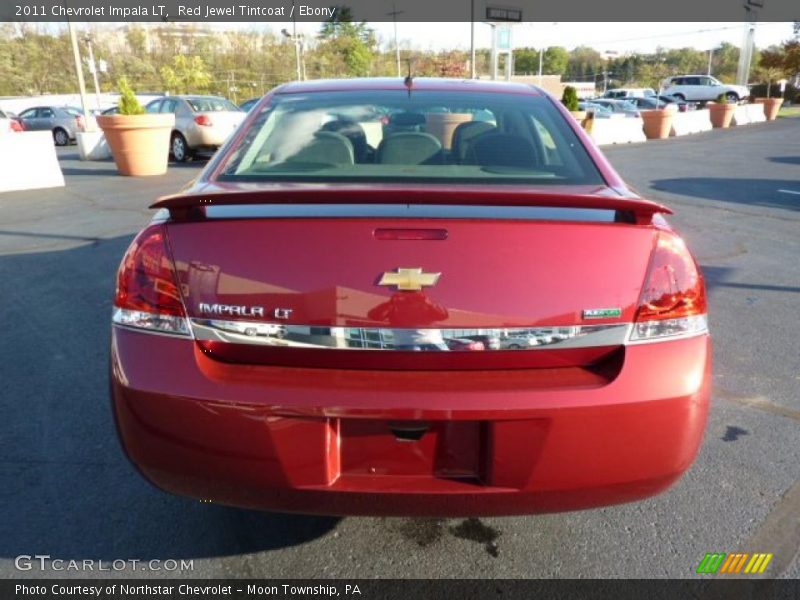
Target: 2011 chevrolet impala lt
410, 297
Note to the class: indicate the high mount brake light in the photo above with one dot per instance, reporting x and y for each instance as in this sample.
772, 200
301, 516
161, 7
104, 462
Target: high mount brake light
673, 300
148, 295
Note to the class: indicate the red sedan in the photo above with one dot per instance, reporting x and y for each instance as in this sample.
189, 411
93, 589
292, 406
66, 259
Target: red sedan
279, 330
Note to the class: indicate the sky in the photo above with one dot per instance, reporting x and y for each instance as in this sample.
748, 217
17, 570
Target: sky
616, 37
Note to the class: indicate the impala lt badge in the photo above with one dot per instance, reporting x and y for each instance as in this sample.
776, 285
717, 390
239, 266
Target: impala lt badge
231, 310
409, 279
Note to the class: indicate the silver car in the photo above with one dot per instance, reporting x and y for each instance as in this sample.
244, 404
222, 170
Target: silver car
202, 123
64, 121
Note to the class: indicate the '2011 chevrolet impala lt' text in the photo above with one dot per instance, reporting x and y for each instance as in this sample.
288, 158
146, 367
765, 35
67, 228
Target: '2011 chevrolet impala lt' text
419, 297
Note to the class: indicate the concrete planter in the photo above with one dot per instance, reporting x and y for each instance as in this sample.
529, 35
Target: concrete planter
139, 143
771, 107
721, 114
657, 123
92, 145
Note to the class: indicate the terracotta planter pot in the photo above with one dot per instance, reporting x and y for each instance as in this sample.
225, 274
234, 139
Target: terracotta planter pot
721, 114
657, 123
442, 126
139, 143
771, 107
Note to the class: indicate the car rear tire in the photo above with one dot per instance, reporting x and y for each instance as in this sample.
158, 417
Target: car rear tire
179, 148
60, 137
731, 97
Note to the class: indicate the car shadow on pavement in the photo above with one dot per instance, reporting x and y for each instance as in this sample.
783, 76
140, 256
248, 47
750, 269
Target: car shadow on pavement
66, 489
786, 160
754, 192
716, 277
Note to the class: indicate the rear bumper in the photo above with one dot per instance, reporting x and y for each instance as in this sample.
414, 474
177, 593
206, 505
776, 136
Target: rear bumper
319, 441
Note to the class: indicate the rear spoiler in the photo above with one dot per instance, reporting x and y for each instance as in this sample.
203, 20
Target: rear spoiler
182, 206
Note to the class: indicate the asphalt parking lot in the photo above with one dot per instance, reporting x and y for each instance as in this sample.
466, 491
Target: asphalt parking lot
67, 490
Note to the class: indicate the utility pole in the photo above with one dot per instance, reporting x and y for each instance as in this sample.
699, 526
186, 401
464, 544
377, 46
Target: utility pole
541, 56
472, 68
710, 56
76, 53
394, 14
93, 68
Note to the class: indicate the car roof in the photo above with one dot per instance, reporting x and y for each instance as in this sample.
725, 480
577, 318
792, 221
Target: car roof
418, 83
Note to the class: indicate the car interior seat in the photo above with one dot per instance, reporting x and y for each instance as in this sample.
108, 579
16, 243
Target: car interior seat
410, 148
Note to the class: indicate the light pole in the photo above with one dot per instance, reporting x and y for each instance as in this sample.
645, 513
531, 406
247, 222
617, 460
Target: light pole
541, 58
76, 53
93, 68
472, 68
710, 56
298, 51
394, 14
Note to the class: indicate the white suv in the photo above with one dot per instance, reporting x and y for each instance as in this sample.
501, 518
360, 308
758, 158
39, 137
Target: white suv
702, 88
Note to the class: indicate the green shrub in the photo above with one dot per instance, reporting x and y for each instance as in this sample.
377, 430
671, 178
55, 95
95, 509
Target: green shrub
721, 99
128, 104
570, 99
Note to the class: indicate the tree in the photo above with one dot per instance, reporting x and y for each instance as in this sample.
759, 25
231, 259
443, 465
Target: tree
351, 43
186, 75
341, 25
771, 66
585, 63
555, 60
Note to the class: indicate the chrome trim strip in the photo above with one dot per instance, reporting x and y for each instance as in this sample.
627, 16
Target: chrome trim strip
259, 333
410, 211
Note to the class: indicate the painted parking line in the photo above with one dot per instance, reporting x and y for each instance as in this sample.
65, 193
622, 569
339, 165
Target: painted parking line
795, 192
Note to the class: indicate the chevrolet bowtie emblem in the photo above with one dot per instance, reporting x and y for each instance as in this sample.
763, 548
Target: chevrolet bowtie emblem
409, 279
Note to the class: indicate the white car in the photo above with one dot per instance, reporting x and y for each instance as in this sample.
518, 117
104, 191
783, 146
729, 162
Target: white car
622, 93
703, 88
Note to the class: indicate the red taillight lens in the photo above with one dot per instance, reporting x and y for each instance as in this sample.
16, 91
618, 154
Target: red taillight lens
17, 126
148, 295
203, 120
673, 300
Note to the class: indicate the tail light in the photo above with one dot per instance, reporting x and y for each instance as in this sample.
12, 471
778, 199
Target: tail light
203, 120
148, 294
17, 125
673, 300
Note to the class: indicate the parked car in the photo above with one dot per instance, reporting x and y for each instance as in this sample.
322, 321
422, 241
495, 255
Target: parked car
621, 107
621, 93
463, 344
518, 342
600, 110
653, 103
248, 104
490, 342
202, 123
703, 88
683, 105
9, 122
533, 232
64, 121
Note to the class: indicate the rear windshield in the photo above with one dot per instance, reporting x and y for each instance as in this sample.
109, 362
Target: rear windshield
212, 105
397, 136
